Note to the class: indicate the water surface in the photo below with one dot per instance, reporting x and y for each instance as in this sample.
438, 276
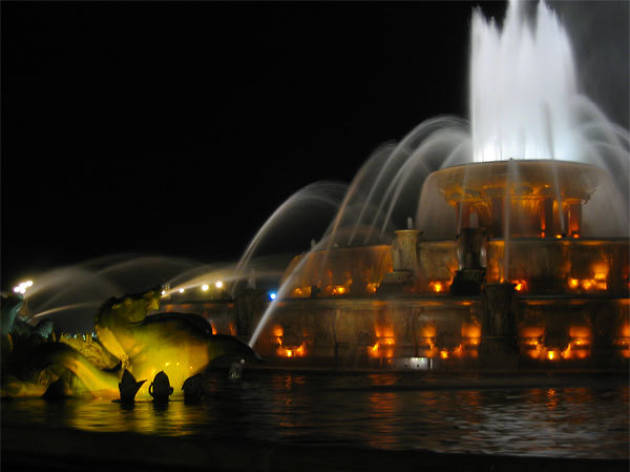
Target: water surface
383, 411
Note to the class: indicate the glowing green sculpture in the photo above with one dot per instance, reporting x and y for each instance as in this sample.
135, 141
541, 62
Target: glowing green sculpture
181, 345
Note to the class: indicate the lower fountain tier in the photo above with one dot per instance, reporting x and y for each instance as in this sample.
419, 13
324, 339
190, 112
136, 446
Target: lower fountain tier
411, 332
445, 331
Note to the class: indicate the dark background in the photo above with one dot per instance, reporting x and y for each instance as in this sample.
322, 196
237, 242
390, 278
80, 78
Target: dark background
177, 129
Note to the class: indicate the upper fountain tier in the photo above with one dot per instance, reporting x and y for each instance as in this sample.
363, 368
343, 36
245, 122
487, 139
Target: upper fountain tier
522, 198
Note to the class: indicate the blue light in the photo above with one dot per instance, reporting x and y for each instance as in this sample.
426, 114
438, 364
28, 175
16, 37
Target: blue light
272, 295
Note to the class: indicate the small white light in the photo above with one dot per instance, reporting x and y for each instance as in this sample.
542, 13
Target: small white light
22, 287
181, 290
218, 284
163, 292
205, 287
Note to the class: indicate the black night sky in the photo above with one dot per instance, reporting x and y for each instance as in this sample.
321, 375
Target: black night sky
178, 128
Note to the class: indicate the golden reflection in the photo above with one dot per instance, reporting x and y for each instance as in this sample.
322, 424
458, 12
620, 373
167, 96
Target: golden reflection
552, 399
172, 419
383, 379
578, 395
382, 405
281, 382
382, 402
471, 398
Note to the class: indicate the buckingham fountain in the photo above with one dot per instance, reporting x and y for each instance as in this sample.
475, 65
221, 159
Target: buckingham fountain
467, 306
520, 285
514, 252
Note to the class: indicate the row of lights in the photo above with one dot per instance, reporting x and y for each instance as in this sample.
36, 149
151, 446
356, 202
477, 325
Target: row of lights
204, 288
219, 285
436, 286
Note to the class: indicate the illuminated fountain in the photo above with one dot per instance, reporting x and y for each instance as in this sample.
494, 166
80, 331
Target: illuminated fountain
510, 262
516, 239
515, 252
499, 246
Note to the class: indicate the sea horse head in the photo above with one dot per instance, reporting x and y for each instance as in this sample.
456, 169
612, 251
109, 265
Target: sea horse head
129, 309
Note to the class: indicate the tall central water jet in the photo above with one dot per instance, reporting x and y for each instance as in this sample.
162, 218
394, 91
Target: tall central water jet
523, 88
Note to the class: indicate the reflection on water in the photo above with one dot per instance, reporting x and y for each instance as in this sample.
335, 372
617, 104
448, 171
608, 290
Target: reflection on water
383, 411
384, 417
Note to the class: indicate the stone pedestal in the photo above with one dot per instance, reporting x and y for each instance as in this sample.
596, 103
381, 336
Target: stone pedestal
471, 255
405, 250
405, 257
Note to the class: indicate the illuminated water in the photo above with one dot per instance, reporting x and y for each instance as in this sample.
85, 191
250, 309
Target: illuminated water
525, 102
381, 411
523, 84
